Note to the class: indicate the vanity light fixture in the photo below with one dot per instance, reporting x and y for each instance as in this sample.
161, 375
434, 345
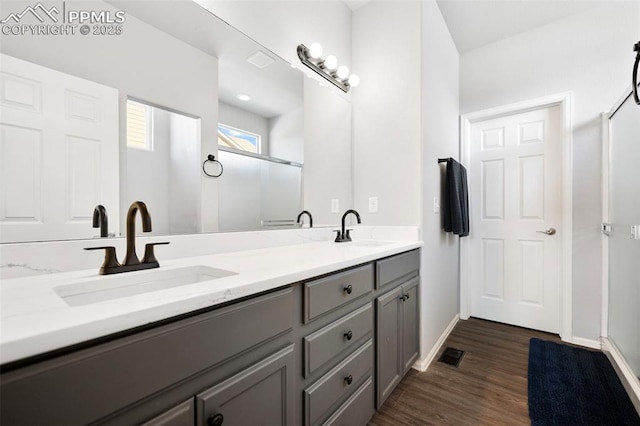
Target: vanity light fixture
327, 68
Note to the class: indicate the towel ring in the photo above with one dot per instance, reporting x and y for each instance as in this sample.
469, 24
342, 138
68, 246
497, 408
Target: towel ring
212, 158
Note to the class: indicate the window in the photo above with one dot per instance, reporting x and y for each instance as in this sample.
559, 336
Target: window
139, 126
238, 139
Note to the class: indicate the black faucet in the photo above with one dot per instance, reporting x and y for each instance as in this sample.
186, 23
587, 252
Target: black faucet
299, 220
100, 220
131, 261
343, 235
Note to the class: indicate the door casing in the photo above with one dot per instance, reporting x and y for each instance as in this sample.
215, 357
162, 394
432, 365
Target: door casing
564, 101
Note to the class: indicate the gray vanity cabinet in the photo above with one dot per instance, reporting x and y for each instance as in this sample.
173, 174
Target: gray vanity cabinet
397, 338
259, 395
325, 351
132, 379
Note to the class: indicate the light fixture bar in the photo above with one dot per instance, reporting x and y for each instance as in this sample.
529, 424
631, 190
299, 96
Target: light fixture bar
304, 58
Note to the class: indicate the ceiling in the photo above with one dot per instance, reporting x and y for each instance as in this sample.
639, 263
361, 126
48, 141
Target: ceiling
475, 23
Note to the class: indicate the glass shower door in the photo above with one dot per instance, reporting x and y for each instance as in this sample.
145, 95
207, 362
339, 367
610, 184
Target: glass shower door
624, 240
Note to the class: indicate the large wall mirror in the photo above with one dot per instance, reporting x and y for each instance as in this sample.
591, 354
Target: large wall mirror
112, 113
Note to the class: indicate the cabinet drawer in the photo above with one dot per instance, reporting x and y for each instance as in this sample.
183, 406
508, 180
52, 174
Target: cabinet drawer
357, 410
337, 383
259, 395
325, 294
89, 384
403, 265
337, 337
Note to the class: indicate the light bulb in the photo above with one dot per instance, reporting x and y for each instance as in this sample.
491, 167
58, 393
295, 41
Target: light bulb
343, 72
330, 63
354, 80
315, 50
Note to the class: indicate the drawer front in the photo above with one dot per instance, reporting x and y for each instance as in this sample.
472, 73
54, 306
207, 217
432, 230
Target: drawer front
259, 395
134, 367
404, 265
337, 337
357, 410
325, 294
338, 382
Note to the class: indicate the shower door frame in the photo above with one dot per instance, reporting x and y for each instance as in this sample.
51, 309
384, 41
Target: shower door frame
625, 373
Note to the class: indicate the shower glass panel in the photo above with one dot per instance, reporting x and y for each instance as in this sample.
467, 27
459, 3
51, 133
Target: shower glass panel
624, 248
257, 193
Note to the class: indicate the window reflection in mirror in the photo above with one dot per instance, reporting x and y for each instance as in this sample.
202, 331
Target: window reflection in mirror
241, 140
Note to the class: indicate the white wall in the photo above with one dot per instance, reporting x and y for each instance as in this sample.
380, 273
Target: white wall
286, 135
139, 63
185, 174
386, 112
440, 260
327, 149
591, 55
405, 117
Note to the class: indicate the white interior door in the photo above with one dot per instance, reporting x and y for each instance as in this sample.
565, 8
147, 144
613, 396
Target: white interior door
515, 216
59, 153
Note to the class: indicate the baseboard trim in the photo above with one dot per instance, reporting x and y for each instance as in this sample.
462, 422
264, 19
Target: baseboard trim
423, 364
587, 343
629, 380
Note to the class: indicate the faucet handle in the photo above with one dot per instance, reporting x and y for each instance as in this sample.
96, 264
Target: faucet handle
347, 236
110, 259
149, 255
338, 237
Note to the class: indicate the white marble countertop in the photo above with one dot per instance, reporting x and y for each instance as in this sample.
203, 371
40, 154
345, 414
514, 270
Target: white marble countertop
35, 320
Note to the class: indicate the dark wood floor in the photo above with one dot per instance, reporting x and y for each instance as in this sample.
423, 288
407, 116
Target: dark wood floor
489, 387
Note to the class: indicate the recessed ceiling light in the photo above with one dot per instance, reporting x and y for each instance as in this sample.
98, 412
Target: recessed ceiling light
243, 97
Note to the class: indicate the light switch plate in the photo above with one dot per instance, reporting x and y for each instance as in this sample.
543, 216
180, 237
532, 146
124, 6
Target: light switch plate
436, 205
335, 205
373, 204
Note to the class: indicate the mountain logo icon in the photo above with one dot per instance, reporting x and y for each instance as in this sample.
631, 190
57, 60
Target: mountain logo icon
39, 11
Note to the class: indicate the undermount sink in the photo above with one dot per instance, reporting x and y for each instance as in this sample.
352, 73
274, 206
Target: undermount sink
95, 290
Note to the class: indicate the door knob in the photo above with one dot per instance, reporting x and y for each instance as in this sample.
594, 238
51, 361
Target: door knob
548, 231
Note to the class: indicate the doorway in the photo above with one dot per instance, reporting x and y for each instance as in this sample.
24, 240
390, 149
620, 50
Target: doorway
516, 262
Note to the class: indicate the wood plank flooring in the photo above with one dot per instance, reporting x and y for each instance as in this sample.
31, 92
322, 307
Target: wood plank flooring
489, 387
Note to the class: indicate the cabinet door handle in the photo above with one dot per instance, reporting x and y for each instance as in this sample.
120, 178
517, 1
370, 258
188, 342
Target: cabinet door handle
348, 289
406, 296
215, 420
348, 335
402, 298
349, 379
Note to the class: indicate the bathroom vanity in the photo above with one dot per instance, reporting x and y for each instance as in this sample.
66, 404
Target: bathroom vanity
323, 337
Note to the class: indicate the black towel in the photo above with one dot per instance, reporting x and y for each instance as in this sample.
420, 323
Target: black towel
455, 205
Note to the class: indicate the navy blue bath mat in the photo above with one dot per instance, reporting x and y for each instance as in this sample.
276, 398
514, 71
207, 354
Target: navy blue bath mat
573, 386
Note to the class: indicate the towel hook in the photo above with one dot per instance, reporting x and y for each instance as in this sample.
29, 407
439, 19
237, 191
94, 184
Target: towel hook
212, 158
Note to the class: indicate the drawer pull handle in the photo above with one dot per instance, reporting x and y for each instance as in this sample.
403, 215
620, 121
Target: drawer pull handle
215, 420
349, 379
348, 289
348, 335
